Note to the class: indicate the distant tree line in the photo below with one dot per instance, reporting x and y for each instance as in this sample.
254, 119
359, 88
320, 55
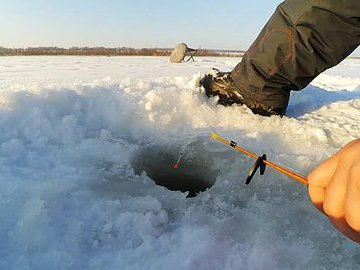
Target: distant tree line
108, 51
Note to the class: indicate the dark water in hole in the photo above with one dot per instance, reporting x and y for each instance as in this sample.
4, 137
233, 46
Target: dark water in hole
194, 174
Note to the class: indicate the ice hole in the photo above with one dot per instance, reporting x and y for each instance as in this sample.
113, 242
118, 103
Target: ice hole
193, 175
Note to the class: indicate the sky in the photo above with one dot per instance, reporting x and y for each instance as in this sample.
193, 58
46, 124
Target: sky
226, 24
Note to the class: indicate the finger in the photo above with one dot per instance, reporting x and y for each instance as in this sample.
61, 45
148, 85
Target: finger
318, 180
335, 200
317, 195
352, 203
321, 176
341, 225
335, 193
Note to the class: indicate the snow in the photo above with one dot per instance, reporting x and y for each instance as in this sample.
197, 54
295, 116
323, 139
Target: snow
77, 133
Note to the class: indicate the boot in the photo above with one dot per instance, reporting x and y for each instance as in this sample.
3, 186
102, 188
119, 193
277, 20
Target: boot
221, 84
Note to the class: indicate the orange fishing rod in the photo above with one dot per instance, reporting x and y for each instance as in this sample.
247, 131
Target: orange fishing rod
260, 163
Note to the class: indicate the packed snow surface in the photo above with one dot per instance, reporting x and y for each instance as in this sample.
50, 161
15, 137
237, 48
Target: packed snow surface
81, 136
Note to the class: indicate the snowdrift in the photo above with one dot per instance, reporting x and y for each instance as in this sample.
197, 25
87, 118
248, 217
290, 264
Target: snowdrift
83, 139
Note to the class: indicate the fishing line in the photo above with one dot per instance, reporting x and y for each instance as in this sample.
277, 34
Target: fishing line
189, 141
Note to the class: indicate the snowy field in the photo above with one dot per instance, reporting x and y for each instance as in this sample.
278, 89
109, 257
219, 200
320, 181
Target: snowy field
83, 138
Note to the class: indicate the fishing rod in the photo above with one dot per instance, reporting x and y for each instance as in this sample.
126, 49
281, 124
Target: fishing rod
260, 163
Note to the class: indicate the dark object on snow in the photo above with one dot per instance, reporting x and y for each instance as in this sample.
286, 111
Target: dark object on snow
179, 53
259, 163
302, 39
221, 84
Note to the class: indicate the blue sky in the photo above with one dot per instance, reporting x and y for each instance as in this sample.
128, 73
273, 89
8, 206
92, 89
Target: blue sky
228, 24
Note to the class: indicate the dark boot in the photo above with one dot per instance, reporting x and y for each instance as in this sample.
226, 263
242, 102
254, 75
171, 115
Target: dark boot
221, 84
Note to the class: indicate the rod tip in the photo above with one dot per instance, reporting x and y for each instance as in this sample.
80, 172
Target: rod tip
214, 135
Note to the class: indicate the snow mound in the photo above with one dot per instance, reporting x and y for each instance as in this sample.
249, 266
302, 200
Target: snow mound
337, 82
80, 160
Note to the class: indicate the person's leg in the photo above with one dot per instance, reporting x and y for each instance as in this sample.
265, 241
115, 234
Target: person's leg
302, 39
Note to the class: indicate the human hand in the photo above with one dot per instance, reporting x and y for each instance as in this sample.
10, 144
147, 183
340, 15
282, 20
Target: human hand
334, 189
